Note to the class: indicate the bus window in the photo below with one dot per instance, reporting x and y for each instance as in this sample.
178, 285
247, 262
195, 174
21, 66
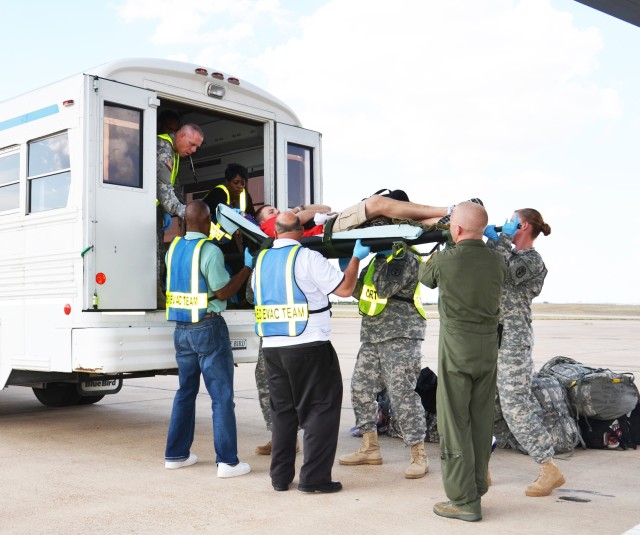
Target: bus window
9, 179
299, 179
49, 175
122, 146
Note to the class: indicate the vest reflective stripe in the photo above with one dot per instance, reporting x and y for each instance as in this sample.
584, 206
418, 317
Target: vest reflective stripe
187, 297
370, 304
242, 198
217, 233
176, 161
281, 307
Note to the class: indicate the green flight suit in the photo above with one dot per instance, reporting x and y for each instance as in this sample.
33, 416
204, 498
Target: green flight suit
470, 278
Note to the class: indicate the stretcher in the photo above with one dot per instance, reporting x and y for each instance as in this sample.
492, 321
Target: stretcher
336, 244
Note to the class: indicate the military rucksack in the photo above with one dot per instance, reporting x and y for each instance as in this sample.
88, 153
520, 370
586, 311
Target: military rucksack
552, 408
597, 393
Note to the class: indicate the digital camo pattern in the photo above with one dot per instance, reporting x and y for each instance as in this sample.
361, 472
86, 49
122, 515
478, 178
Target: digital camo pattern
399, 318
390, 353
525, 277
167, 193
394, 364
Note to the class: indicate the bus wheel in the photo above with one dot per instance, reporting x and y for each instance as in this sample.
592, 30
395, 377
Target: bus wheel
58, 394
89, 400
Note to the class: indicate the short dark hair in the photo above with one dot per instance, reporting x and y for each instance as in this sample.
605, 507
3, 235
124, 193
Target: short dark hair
233, 170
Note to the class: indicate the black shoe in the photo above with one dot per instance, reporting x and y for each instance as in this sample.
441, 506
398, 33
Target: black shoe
280, 487
326, 488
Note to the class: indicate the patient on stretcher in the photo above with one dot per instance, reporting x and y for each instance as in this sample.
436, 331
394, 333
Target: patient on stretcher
313, 217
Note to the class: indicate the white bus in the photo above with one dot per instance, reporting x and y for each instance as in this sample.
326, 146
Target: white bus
77, 215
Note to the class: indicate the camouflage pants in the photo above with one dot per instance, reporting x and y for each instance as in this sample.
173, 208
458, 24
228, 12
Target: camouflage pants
394, 364
263, 388
518, 405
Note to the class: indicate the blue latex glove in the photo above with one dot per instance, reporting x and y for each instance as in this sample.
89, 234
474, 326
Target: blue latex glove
248, 258
166, 221
490, 232
509, 228
343, 263
361, 251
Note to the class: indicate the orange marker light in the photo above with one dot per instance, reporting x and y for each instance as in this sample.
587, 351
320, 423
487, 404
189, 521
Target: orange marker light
101, 278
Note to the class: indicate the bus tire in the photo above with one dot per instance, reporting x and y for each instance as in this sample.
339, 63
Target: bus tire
89, 400
58, 395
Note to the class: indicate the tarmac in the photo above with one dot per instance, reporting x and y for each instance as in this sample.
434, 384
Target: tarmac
100, 469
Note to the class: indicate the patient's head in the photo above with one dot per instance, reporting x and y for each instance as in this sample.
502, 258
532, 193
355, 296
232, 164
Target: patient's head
266, 212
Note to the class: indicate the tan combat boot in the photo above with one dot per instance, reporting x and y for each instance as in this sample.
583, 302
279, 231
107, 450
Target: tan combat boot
265, 449
549, 478
368, 453
419, 463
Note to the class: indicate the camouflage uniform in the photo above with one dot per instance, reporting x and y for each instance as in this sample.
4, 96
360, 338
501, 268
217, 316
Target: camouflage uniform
169, 203
525, 278
390, 353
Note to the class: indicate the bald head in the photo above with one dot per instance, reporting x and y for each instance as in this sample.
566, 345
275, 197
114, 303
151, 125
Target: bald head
288, 226
468, 221
198, 217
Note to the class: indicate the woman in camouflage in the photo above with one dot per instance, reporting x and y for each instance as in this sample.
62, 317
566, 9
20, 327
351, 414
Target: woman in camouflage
525, 278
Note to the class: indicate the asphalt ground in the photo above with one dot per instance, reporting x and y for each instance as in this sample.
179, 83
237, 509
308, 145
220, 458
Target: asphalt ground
99, 468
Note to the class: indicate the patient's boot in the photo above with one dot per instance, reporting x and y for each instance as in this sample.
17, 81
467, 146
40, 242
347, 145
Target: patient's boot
549, 478
367, 453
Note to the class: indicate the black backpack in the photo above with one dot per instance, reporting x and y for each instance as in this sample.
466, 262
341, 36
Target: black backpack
426, 388
606, 434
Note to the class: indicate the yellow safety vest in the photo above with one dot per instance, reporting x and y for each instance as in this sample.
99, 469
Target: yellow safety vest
281, 308
216, 231
369, 304
176, 161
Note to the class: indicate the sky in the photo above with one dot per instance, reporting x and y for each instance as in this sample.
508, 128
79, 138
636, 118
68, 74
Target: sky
529, 103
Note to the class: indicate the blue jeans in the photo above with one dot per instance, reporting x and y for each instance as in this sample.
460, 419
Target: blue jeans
203, 348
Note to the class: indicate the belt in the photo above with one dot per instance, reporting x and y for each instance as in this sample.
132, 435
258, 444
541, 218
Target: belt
211, 315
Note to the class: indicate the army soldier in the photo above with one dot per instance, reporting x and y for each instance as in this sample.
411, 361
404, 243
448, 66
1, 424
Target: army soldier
391, 333
525, 278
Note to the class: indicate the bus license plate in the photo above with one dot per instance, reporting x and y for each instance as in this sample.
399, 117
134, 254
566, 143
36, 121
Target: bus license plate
239, 344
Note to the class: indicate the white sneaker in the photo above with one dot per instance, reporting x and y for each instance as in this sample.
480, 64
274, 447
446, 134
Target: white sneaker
172, 465
227, 470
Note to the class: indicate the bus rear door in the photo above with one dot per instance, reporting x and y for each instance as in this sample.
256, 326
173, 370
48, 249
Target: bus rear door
298, 166
120, 267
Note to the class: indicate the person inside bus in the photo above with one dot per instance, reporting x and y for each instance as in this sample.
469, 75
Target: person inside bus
170, 148
168, 122
232, 193
314, 216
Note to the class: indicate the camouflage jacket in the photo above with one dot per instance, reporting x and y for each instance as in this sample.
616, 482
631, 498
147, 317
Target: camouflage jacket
167, 193
525, 277
399, 319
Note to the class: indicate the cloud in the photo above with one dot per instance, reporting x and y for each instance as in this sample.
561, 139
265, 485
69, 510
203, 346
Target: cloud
502, 99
